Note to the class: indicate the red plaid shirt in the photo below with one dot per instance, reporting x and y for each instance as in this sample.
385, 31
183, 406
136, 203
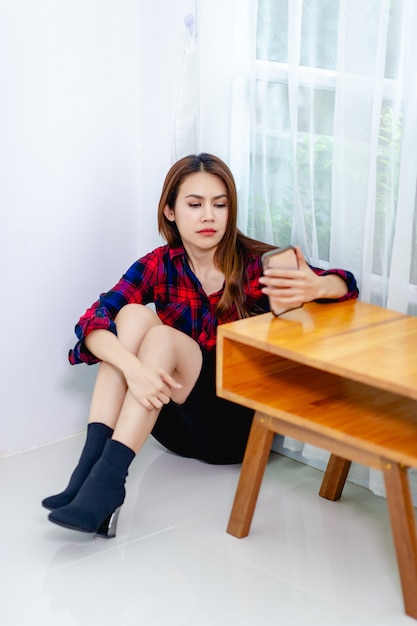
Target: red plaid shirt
165, 278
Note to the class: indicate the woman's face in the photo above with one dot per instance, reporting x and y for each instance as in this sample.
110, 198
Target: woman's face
200, 211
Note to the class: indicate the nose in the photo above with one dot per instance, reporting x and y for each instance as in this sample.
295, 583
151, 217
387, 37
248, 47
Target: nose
208, 214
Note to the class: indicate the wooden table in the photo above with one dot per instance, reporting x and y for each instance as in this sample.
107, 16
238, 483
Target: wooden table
342, 377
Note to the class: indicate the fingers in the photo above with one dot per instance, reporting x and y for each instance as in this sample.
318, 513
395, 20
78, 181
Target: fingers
291, 284
171, 382
155, 401
158, 392
274, 277
281, 283
291, 287
286, 288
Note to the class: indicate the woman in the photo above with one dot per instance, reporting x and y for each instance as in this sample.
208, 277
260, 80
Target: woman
157, 371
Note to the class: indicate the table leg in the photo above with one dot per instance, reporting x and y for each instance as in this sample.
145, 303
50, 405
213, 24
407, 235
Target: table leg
334, 478
403, 526
253, 467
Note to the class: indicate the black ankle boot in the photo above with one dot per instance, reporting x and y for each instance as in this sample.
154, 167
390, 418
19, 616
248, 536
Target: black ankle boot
97, 435
95, 507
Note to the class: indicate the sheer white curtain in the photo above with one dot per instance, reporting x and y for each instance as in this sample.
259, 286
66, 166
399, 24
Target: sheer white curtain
313, 103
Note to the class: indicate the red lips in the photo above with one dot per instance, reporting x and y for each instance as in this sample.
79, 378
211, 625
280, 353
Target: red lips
207, 231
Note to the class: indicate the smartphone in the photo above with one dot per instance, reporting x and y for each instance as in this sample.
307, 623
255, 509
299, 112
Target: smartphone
280, 258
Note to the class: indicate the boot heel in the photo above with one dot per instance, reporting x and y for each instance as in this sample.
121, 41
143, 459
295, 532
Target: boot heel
109, 526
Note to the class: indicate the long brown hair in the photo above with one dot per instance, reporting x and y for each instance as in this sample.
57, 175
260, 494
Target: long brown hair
231, 253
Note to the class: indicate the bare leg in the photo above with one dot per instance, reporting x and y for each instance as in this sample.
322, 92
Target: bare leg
109, 393
102, 493
176, 353
142, 333
133, 322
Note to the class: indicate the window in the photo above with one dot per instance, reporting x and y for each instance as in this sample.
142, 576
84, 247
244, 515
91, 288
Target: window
312, 103
303, 71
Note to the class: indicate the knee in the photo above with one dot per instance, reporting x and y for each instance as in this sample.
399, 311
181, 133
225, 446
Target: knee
160, 335
133, 322
159, 340
136, 314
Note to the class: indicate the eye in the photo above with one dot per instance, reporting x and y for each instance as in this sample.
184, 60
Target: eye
194, 205
220, 205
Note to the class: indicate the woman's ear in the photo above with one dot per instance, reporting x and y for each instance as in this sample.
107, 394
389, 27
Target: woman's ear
169, 213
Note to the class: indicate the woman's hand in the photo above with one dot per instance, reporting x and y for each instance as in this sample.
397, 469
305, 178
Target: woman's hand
289, 289
151, 387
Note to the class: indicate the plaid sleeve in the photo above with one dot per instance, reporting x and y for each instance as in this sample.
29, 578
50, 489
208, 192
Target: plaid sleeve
135, 286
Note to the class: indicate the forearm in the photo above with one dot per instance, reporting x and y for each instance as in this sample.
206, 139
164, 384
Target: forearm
106, 346
331, 286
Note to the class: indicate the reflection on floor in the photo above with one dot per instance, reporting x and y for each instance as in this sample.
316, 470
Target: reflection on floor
307, 561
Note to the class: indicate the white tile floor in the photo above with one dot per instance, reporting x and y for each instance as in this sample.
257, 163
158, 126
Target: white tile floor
307, 561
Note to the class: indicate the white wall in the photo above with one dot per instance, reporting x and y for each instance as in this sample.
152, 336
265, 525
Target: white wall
86, 111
